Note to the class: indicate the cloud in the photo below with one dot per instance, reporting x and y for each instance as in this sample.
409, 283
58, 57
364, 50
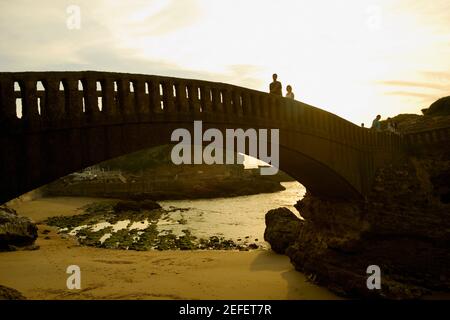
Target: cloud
245, 74
174, 16
323, 49
441, 77
433, 85
100, 58
428, 85
35, 35
412, 94
434, 14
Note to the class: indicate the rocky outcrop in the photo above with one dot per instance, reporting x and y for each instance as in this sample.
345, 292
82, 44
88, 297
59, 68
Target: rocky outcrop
403, 227
10, 294
435, 117
282, 229
136, 206
171, 182
16, 232
151, 174
440, 107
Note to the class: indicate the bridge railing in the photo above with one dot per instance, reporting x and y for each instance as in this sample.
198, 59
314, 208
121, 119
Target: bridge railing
428, 137
47, 103
39, 100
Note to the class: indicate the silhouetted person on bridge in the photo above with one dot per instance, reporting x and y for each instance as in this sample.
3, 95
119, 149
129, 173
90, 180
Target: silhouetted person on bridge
376, 124
392, 126
275, 86
289, 93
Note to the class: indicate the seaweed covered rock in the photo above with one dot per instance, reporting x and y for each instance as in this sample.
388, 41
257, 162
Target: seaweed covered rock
282, 229
136, 206
10, 294
16, 232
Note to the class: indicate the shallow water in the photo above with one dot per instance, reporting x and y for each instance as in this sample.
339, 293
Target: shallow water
241, 219
232, 218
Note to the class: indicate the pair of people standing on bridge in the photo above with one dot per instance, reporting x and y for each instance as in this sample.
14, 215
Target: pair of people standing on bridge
276, 88
391, 126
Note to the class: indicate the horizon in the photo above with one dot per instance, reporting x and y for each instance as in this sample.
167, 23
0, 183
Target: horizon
379, 57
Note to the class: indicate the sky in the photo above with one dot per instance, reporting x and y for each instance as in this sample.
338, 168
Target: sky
355, 58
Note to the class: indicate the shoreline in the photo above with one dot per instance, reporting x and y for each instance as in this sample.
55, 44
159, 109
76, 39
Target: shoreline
123, 274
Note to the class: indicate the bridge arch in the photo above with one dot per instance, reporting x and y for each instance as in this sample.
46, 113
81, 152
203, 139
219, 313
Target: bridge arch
329, 155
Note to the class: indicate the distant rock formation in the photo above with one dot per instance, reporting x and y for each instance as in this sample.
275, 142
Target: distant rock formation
16, 232
440, 107
169, 183
435, 117
150, 174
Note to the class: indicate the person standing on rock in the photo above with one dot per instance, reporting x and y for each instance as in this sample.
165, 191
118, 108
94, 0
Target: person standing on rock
275, 86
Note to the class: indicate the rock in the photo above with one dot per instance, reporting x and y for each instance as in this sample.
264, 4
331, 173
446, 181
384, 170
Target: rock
405, 235
441, 185
16, 232
6, 209
378, 189
149, 205
435, 117
282, 229
10, 294
126, 206
156, 177
402, 226
440, 107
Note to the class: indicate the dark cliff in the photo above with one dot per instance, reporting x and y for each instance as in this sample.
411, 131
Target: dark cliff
402, 226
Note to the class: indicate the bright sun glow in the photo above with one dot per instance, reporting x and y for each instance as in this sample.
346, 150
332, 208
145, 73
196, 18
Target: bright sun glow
356, 58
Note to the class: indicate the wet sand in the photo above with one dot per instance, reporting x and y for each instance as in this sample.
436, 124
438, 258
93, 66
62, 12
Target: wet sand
117, 274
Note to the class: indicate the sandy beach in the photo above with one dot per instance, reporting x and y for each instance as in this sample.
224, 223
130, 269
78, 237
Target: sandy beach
120, 274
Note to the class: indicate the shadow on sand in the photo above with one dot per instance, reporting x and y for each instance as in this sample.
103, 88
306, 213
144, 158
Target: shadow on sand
298, 286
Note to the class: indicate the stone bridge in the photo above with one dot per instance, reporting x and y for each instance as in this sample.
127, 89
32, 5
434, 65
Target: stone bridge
56, 123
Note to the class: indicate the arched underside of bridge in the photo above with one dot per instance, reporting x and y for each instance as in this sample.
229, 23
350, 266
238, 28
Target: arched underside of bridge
62, 128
